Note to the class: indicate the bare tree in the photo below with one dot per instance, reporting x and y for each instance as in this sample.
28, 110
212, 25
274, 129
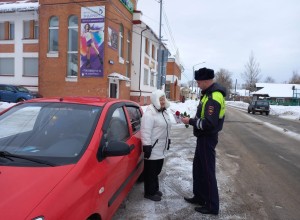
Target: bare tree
295, 78
223, 77
251, 75
269, 79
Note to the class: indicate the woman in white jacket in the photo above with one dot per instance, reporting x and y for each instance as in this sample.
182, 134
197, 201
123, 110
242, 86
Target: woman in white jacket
155, 132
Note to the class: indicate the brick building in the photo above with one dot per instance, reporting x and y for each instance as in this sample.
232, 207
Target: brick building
173, 79
68, 65
83, 48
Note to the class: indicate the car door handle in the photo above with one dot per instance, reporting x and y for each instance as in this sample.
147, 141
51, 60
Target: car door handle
131, 147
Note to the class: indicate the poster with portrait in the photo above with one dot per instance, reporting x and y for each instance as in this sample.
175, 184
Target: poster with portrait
92, 41
112, 38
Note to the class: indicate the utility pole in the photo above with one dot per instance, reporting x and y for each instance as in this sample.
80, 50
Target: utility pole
159, 49
235, 89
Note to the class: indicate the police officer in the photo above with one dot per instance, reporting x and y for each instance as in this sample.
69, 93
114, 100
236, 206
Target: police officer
207, 123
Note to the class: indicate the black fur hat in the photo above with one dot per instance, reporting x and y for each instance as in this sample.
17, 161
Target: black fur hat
204, 74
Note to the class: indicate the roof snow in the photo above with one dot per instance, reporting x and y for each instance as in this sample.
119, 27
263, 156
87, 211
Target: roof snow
276, 90
18, 6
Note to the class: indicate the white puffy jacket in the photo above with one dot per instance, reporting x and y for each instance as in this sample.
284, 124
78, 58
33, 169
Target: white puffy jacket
155, 127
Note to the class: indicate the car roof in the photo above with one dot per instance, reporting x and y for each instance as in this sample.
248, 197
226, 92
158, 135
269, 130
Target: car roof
97, 101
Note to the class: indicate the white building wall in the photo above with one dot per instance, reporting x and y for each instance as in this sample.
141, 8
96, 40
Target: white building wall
138, 56
18, 55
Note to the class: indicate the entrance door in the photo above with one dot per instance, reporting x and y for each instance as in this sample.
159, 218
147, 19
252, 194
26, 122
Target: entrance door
113, 90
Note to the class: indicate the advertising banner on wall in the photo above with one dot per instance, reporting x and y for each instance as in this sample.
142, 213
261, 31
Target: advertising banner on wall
92, 41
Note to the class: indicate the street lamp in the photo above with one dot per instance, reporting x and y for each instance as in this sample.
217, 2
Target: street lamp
194, 74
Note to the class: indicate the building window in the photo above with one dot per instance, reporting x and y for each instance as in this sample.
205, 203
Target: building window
30, 66
53, 34
152, 79
2, 31
7, 66
121, 38
36, 30
11, 31
153, 52
128, 55
7, 30
26, 29
73, 46
146, 76
147, 46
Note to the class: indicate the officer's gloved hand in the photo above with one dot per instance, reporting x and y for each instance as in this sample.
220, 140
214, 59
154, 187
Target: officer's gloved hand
147, 151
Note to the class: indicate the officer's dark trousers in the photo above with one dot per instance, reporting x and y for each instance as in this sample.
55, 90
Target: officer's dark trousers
152, 169
204, 172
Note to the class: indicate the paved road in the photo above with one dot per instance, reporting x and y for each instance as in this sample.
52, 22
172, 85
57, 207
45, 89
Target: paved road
258, 172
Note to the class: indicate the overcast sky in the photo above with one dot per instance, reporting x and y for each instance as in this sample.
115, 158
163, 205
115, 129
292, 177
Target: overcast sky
223, 33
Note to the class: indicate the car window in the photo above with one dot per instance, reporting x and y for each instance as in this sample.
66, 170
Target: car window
118, 127
22, 89
57, 131
262, 103
7, 88
135, 117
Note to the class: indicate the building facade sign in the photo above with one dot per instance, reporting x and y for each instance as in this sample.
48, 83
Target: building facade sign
92, 41
128, 4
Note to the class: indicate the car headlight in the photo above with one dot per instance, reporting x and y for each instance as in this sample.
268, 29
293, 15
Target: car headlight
39, 218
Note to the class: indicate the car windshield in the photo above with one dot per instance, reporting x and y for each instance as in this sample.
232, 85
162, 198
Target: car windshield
57, 133
262, 103
22, 89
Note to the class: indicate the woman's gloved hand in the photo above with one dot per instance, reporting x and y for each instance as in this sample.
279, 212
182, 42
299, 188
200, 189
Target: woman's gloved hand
147, 151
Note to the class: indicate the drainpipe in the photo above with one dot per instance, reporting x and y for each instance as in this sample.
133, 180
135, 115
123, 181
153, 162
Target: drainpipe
147, 28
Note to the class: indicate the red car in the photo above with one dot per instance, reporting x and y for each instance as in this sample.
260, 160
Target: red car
68, 158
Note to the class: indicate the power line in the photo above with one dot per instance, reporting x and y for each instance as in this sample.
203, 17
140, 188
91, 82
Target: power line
170, 30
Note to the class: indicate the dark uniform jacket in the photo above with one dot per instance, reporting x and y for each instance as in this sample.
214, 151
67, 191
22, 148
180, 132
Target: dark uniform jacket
210, 113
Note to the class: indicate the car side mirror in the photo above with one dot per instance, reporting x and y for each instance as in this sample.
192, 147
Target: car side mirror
116, 148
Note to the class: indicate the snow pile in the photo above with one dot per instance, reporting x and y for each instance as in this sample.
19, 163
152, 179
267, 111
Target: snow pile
19, 6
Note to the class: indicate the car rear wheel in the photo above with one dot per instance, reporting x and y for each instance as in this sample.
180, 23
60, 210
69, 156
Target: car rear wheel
253, 112
267, 113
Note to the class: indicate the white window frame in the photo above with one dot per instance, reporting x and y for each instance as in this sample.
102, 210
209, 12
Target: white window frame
2, 30
11, 30
35, 70
26, 29
50, 40
3, 60
146, 76
128, 55
72, 54
121, 38
36, 30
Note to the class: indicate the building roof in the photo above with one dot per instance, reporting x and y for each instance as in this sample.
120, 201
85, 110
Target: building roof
276, 90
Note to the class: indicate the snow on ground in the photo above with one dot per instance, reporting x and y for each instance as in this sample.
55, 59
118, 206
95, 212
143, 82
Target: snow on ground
190, 106
176, 177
